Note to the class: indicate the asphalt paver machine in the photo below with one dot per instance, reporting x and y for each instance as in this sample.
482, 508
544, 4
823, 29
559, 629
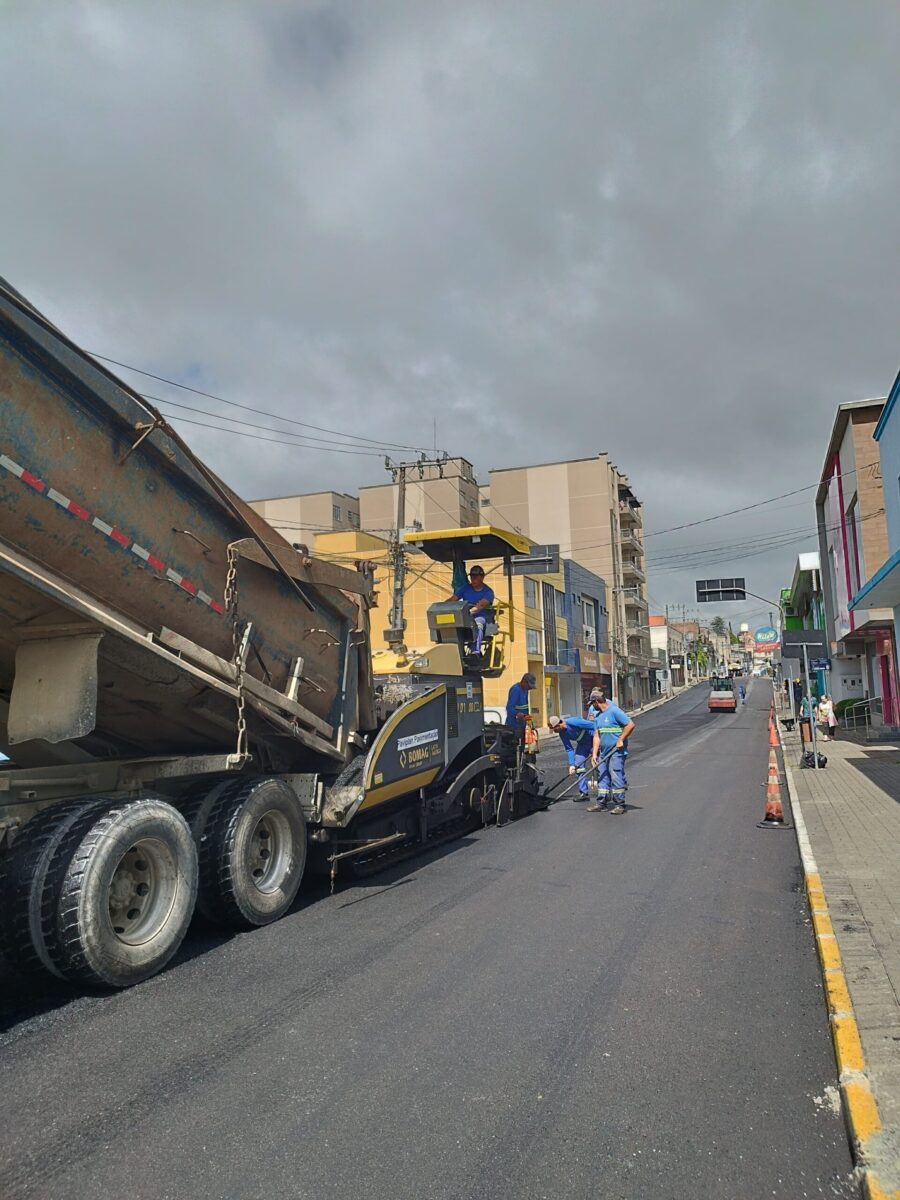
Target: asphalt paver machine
435, 768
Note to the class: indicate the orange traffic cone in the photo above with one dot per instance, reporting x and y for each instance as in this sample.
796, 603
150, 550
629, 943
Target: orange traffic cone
774, 818
773, 734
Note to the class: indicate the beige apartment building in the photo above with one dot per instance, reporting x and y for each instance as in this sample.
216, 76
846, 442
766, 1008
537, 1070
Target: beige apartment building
443, 498
300, 518
588, 507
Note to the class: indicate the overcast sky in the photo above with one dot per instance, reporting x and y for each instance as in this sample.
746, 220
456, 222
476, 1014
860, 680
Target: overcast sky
668, 231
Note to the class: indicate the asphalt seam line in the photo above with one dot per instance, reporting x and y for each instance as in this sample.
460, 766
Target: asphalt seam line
860, 1109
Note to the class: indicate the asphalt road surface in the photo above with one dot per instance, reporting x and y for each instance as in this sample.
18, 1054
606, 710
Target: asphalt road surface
574, 1006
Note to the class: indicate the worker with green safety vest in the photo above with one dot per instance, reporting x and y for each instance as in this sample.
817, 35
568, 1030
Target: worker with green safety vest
612, 729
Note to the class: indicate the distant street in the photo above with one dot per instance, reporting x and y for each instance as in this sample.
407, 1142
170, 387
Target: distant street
575, 1006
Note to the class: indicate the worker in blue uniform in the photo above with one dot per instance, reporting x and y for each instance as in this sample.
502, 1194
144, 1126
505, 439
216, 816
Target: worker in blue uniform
480, 599
518, 706
593, 713
577, 737
612, 729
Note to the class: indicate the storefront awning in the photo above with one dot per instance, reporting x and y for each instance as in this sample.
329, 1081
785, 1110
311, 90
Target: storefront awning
882, 590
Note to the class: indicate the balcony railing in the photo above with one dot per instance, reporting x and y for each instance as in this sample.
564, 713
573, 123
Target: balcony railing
629, 514
628, 541
633, 570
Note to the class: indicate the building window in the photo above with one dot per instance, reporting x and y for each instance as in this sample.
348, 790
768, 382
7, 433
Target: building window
336, 513
533, 643
854, 538
530, 593
562, 650
548, 597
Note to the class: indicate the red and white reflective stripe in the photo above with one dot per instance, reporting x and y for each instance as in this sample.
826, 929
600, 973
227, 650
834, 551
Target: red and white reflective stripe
110, 531
68, 505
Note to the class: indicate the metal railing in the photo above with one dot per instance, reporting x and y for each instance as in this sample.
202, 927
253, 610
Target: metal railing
868, 712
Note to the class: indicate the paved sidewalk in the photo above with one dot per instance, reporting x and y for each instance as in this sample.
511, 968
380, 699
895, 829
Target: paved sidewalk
852, 815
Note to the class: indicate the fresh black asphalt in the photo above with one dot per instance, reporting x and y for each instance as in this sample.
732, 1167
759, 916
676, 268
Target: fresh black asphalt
575, 1006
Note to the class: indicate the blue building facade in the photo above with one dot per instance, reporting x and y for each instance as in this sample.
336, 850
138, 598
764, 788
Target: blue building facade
587, 653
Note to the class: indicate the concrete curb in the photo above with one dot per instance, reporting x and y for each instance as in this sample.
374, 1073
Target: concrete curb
860, 1109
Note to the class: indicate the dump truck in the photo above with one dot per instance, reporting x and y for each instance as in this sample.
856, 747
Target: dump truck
188, 713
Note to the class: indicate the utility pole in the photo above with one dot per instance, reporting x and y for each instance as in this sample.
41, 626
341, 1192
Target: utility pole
393, 635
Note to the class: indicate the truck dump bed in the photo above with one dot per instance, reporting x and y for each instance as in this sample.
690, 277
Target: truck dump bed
115, 545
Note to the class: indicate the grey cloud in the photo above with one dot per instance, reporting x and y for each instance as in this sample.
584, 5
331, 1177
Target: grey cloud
665, 231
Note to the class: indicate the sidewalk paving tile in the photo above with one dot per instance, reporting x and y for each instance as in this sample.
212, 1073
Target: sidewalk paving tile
852, 814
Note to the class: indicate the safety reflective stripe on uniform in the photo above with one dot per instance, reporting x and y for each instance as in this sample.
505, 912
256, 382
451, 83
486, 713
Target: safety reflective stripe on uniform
115, 535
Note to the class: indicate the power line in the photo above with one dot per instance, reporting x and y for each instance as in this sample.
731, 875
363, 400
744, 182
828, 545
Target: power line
258, 411
278, 441
309, 438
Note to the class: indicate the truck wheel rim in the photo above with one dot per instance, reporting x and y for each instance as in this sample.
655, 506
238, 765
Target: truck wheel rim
270, 851
142, 891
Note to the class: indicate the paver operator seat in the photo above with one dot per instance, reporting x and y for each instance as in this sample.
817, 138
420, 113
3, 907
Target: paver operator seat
451, 626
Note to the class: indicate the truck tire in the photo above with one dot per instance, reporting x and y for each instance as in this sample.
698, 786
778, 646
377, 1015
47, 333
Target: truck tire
127, 894
195, 806
253, 854
29, 887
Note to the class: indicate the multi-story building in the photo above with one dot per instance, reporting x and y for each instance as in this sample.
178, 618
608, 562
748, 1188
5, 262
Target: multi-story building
300, 518
853, 545
587, 506
881, 589
669, 649
443, 497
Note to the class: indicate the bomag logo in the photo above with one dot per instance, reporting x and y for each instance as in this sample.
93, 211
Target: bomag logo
419, 755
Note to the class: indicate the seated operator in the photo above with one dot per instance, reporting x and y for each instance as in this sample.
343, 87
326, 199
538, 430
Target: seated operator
480, 599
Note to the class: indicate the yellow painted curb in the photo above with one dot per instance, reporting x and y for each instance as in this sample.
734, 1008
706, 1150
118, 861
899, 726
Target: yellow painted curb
872, 1189
862, 1110
839, 1002
847, 1045
822, 923
829, 954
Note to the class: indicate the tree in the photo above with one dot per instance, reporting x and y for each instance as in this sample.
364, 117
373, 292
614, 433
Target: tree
718, 626
698, 658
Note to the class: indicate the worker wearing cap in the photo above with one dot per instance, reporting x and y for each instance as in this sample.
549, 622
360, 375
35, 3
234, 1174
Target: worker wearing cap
577, 736
593, 713
480, 599
612, 729
518, 708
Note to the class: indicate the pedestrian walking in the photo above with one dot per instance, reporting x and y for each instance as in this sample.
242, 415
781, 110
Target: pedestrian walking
826, 718
612, 729
806, 719
518, 707
742, 692
577, 737
480, 599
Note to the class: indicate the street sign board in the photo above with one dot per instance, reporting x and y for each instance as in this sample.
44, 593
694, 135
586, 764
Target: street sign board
793, 641
820, 664
714, 591
543, 560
